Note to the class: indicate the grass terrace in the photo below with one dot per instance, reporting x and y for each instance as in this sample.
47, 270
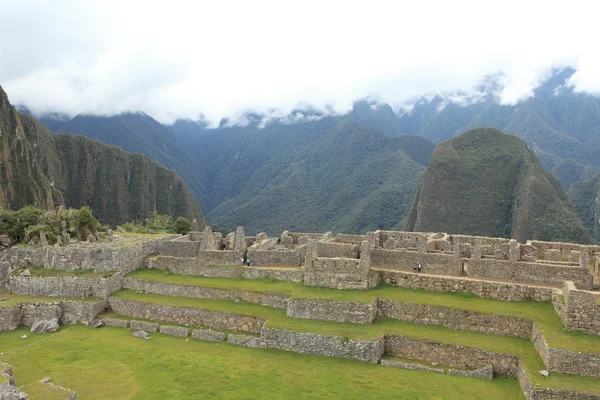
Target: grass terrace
109, 363
542, 313
277, 318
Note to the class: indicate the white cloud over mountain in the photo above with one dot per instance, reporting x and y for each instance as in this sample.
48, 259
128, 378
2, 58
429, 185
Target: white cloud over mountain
178, 59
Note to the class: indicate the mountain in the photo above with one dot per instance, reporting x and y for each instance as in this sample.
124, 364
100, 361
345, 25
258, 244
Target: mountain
348, 178
560, 125
42, 169
584, 195
138, 133
318, 173
488, 183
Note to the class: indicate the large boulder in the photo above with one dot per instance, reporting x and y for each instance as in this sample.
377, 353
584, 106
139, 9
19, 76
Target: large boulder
5, 241
45, 325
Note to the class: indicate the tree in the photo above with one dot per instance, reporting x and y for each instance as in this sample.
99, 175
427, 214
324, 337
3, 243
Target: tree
182, 226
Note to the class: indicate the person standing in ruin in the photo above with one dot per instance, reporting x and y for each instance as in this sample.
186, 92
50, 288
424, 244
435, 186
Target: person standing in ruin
513, 277
420, 267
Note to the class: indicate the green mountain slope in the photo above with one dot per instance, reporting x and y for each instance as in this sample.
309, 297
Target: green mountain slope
351, 179
139, 133
43, 169
557, 123
488, 183
584, 196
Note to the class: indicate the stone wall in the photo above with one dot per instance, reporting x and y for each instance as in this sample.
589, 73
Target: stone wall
532, 393
295, 275
529, 273
197, 292
334, 250
98, 257
185, 315
182, 247
352, 239
581, 309
69, 312
465, 358
186, 266
275, 257
335, 311
565, 361
65, 286
437, 264
488, 289
310, 343
456, 319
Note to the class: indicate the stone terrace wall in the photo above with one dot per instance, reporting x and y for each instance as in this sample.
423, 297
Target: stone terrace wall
565, 361
335, 311
190, 266
456, 319
65, 286
530, 273
310, 343
99, 257
454, 356
12, 317
489, 289
185, 315
531, 393
196, 292
437, 264
581, 309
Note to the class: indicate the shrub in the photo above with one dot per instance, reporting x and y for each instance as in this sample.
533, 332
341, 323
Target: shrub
15, 224
182, 226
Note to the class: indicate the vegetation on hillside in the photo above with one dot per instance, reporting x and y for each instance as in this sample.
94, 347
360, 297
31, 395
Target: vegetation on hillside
487, 183
45, 170
157, 223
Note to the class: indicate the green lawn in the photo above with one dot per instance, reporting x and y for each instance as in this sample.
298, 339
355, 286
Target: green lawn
541, 312
109, 363
14, 299
277, 318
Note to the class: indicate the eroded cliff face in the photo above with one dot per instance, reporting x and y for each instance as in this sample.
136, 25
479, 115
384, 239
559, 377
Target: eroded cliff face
42, 169
488, 183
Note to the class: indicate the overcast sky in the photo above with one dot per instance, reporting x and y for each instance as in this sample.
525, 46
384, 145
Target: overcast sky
220, 58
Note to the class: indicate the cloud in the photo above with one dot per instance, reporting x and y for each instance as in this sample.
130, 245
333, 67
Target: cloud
220, 59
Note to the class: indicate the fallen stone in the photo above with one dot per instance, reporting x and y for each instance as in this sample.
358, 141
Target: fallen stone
45, 325
45, 380
544, 373
97, 323
141, 334
25, 273
4, 299
24, 337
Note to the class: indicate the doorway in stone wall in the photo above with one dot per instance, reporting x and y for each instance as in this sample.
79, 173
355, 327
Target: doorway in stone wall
464, 269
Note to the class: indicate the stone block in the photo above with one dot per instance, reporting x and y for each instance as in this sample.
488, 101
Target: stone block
144, 326
207, 334
174, 330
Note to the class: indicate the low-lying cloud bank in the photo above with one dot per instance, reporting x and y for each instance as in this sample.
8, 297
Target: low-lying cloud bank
227, 58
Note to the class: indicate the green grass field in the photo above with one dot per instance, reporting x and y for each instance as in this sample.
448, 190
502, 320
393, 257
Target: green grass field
109, 363
277, 318
541, 312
